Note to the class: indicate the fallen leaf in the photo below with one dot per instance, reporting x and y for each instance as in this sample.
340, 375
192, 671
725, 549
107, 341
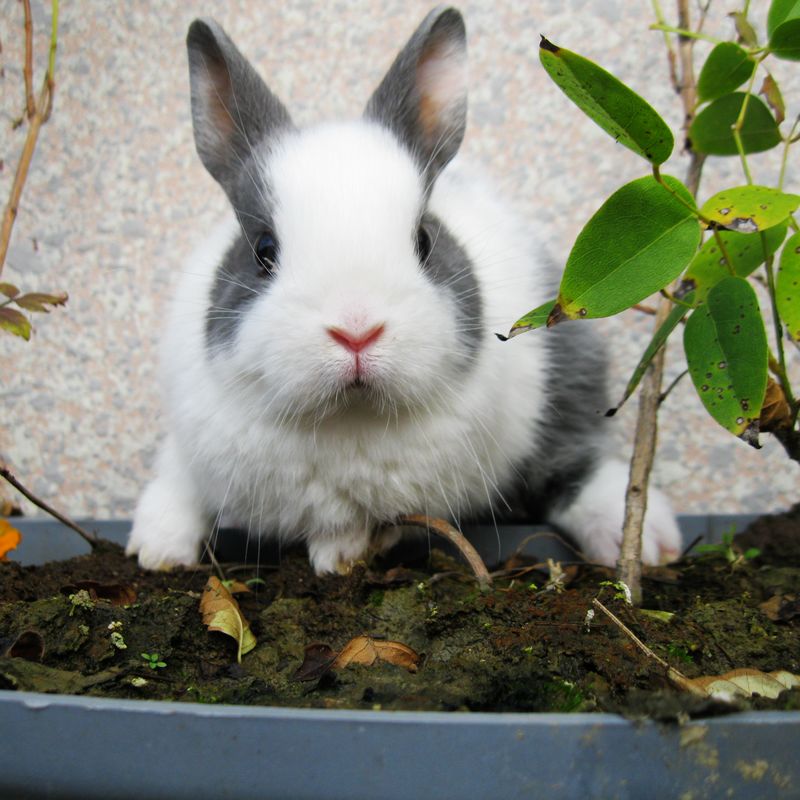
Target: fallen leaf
317, 661
115, 593
10, 537
28, 645
745, 683
781, 607
320, 658
221, 613
366, 650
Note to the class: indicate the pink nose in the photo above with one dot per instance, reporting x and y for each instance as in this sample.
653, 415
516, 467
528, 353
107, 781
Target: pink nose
355, 342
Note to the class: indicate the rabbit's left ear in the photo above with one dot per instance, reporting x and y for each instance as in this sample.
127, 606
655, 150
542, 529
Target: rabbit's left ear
423, 97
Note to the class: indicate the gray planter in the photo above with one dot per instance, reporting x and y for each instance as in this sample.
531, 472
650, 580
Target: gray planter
76, 747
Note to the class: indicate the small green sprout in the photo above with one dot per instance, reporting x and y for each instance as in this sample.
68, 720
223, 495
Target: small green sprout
153, 660
728, 550
81, 599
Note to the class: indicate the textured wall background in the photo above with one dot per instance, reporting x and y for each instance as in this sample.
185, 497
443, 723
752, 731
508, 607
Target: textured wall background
116, 197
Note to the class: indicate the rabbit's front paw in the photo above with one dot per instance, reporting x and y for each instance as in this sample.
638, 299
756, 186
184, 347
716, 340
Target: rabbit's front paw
595, 518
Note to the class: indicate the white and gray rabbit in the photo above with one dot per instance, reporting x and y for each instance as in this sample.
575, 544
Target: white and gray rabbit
331, 363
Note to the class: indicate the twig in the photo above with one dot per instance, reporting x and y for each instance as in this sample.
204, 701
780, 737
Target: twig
629, 566
89, 537
455, 537
40, 115
677, 677
30, 103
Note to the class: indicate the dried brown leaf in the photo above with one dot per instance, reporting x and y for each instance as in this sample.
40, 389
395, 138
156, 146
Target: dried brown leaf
781, 607
317, 661
745, 683
366, 650
772, 94
221, 613
775, 413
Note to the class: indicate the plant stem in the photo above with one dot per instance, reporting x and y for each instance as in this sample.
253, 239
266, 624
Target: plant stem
739, 124
629, 566
40, 115
89, 537
27, 71
685, 33
786, 144
453, 535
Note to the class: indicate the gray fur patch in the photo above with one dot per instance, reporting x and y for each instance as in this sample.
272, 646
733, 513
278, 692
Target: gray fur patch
449, 267
232, 108
240, 278
397, 103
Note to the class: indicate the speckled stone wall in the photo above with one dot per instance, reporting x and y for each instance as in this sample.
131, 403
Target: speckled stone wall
116, 198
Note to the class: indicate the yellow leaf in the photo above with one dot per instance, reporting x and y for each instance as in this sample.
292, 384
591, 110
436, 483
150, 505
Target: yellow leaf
10, 537
221, 613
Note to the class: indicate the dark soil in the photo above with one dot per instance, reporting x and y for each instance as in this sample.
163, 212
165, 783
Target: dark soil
520, 646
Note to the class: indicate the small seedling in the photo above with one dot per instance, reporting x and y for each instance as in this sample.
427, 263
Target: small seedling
731, 552
153, 660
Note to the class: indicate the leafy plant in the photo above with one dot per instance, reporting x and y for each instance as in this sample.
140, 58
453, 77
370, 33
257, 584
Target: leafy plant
651, 235
13, 303
153, 660
726, 548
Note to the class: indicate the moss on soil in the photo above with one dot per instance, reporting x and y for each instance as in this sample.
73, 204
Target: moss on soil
515, 647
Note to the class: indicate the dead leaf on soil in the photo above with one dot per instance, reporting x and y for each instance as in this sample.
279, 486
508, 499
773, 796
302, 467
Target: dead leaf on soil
320, 658
115, 593
221, 613
366, 650
28, 645
745, 683
781, 607
317, 661
10, 538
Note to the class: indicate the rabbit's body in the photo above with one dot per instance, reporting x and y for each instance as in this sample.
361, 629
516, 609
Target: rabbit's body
330, 362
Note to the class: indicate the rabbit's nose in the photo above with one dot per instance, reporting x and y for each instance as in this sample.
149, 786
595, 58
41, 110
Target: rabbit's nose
353, 341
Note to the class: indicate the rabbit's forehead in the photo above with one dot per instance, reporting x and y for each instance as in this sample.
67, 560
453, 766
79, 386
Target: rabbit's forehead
337, 177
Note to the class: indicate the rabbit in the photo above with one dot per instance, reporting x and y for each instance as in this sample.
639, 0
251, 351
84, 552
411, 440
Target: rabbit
330, 362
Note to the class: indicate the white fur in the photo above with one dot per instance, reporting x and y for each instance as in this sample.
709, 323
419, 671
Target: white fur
264, 434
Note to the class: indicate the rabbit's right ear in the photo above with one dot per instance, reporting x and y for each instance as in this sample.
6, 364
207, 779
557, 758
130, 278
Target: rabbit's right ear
232, 108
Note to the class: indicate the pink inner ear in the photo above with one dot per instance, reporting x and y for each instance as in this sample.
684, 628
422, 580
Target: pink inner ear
442, 84
216, 86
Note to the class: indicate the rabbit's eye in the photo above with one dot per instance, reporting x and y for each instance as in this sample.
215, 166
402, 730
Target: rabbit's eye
266, 250
423, 244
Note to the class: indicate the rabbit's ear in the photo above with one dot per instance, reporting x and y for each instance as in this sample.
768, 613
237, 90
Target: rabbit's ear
232, 108
423, 98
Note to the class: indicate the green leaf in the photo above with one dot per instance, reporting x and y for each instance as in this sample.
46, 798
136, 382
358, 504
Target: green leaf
15, 322
727, 67
748, 209
38, 301
639, 240
783, 28
9, 290
781, 11
787, 288
618, 110
532, 320
711, 132
656, 343
726, 350
746, 253
785, 42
